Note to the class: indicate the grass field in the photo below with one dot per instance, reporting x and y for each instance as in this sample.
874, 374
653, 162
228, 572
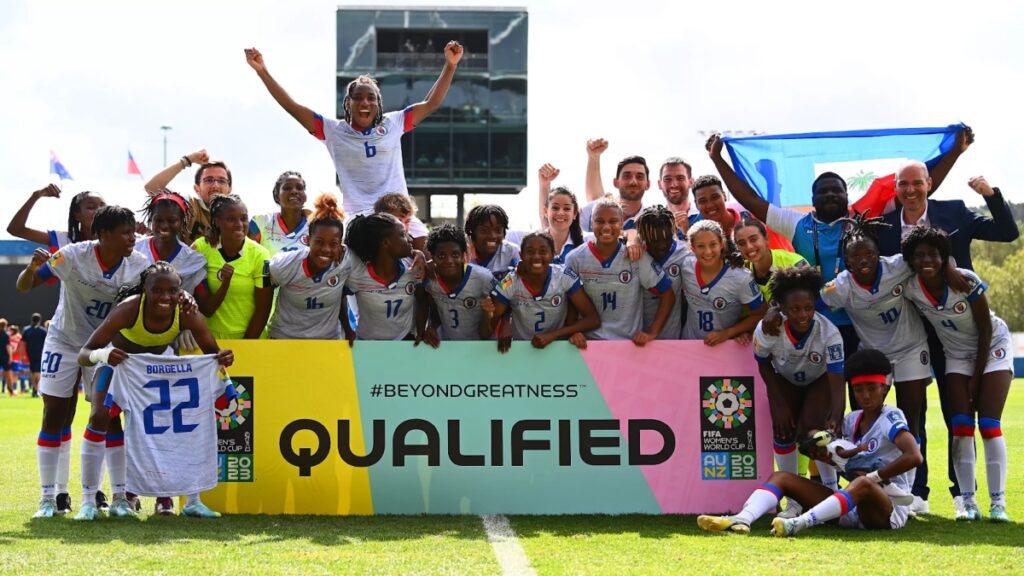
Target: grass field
459, 544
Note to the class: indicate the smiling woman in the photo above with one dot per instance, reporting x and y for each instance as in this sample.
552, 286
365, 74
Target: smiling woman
285, 229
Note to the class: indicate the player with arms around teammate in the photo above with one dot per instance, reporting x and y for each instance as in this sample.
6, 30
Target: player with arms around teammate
863, 503
147, 319
656, 229
455, 290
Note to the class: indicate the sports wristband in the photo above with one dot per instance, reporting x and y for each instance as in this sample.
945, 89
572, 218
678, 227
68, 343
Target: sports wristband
874, 477
101, 355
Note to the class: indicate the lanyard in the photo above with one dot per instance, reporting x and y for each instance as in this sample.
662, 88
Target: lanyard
817, 254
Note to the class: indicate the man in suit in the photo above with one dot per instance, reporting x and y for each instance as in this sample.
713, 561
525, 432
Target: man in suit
913, 185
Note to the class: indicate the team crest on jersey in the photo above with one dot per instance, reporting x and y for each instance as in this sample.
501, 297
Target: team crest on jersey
835, 353
333, 281
304, 239
469, 303
410, 288
999, 353
556, 300
625, 276
872, 445
960, 307
814, 358
897, 290
719, 303
924, 357
381, 130
673, 270
57, 258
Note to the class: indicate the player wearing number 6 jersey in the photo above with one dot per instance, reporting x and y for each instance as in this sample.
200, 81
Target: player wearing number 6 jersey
146, 320
90, 273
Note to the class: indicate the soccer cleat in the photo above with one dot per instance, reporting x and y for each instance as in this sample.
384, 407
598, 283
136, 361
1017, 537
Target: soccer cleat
784, 527
165, 506
63, 503
101, 501
958, 506
47, 508
970, 513
919, 507
122, 508
87, 513
899, 497
722, 524
133, 499
793, 509
997, 513
199, 510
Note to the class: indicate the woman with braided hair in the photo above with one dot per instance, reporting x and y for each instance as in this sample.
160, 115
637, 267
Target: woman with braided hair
286, 229
80, 216
656, 228
166, 214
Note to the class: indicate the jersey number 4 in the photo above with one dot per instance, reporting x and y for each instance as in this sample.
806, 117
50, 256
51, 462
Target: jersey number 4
177, 421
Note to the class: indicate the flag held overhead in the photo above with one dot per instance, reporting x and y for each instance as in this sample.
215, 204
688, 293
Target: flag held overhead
57, 168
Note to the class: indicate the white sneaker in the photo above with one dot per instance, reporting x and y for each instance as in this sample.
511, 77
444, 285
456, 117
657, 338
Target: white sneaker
919, 507
898, 496
793, 509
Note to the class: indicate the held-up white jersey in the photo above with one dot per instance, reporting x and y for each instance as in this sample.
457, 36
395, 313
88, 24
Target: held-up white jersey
386, 306
87, 289
951, 315
191, 265
270, 231
802, 361
536, 312
716, 303
615, 287
879, 314
170, 424
459, 306
672, 266
308, 306
503, 261
880, 438
368, 162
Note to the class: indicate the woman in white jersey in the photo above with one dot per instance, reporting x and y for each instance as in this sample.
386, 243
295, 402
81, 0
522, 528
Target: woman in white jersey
455, 289
979, 364
656, 229
80, 216
864, 503
287, 229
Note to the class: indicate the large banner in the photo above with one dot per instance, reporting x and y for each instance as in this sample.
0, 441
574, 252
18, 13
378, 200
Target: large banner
388, 428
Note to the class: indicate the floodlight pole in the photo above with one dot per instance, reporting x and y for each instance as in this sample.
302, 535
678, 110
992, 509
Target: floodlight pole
165, 130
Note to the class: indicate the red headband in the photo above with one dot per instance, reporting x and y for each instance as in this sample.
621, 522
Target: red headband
867, 378
173, 198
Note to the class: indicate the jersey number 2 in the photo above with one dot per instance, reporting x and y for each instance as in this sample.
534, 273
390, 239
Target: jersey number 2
177, 422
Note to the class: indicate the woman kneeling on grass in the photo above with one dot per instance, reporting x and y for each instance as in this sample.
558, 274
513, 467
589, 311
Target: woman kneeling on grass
864, 503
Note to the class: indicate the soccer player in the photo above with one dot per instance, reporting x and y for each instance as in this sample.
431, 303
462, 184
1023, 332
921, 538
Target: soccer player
146, 319
863, 503
166, 215
538, 296
751, 238
310, 280
287, 228
979, 364
486, 226
656, 227
366, 147
6, 362
32, 339
236, 296
385, 286
710, 199
717, 287
456, 289
80, 217
402, 207
91, 273
212, 178
559, 215
610, 278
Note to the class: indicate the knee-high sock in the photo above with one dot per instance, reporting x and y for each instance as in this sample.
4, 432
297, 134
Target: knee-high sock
995, 458
48, 452
94, 447
828, 509
116, 466
786, 457
964, 458
64, 462
761, 501
828, 475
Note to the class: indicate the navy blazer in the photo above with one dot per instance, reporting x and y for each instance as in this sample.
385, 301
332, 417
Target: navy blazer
960, 222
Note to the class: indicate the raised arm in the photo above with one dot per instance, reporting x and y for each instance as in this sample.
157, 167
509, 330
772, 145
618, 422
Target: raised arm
1001, 227
303, 115
545, 176
161, 179
18, 226
452, 54
964, 139
594, 186
739, 189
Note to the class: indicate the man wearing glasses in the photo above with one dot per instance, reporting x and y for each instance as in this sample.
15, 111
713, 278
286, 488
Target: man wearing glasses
212, 179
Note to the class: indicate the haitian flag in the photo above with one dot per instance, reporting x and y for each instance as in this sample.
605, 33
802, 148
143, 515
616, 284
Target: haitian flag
57, 168
782, 167
133, 168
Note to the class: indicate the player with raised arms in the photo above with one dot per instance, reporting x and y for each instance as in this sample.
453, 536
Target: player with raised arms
366, 146
863, 503
80, 218
310, 280
751, 238
486, 226
146, 319
717, 286
456, 289
559, 215
538, 295
91, 272
656, 229
286, 229
979, 363
614, 282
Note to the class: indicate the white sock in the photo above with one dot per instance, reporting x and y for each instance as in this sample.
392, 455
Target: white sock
760, 502
787, 458
94, 448
48, 453
829, 477
116, 466
191, 499
964, 458
995, 458
64, 462
828, 509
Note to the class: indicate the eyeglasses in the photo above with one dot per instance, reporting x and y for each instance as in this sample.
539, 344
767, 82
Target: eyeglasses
212, 180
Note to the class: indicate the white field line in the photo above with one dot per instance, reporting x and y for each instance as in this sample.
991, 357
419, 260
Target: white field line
509, 552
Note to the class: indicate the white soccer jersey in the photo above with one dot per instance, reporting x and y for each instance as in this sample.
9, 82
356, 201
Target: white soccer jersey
503, 261
536, 312
191, 265
170, 424
880, 438
271, 232
614, 286
87, 289
385, 305
951, 315
368, 162
716, 303
459, 306
877, 311
307, 306
672, 266
802, 360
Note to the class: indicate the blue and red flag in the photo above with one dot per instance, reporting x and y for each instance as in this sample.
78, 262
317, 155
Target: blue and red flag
57, 168
133, 168
782, 167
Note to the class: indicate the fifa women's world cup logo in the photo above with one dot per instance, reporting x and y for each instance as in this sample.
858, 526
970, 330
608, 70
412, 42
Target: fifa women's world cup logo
727, 405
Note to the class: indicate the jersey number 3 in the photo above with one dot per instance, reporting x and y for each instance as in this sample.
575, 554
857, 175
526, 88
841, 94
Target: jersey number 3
177, 422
